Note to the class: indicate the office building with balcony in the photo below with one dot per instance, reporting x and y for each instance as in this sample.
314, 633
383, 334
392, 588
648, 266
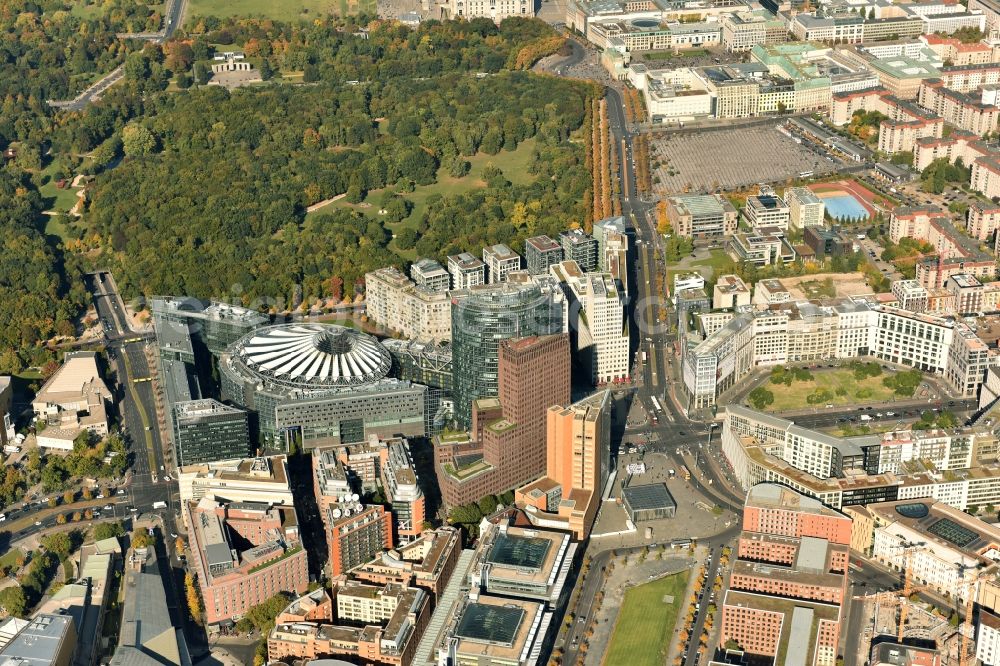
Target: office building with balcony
466, 271
429, 275
412, 310
500, 260
540, 252
580, 247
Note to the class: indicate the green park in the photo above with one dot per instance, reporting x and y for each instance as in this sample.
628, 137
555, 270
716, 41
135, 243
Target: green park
645, 625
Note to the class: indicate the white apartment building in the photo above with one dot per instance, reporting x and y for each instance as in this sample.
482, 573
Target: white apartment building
497, 10
466, 271
766, 210
756, 443
394, 301
597, 312
796, 332
805, 209
910, 294
500, 260
430, 275
943, 558
913, 339
988, 638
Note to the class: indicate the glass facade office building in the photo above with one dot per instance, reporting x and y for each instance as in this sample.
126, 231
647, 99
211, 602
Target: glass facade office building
483, 316
207, 431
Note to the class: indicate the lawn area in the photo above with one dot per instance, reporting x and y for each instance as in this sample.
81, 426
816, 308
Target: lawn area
645, 624
669, 55
717, 261
9, 559
289, 10
794, 396
56, 199
513, 164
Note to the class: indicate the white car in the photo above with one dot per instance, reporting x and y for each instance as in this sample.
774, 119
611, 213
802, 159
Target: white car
38, 523
121, 491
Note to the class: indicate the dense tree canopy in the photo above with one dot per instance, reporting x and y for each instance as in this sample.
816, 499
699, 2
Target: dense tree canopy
212, 195
203, 191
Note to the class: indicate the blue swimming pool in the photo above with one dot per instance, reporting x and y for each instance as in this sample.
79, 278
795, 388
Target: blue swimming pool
845, 207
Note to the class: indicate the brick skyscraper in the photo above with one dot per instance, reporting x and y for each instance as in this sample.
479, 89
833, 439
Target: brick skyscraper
509, 431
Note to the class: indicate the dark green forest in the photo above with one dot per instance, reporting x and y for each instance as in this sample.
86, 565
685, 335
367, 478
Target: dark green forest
202, 191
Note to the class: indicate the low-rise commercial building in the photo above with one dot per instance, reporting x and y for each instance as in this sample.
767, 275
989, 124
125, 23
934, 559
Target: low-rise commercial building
257, 480
494, 631
74, 400
522, 563
47, 640
702, 216
730, 292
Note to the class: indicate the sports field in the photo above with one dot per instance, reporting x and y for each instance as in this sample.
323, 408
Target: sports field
285, 10
645, 624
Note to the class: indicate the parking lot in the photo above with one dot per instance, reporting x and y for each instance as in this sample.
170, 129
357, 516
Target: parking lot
728, 159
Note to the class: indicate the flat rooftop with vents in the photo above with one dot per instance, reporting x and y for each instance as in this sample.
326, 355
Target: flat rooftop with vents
523, 563
489, 630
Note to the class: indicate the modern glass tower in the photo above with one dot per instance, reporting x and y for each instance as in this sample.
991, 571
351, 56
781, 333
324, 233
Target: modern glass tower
483, 316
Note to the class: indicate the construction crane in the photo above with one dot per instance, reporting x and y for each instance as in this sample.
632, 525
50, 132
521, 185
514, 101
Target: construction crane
908, 548
968, 585
895, 599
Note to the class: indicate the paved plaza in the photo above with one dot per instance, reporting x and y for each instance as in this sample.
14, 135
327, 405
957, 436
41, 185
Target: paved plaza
728, 159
